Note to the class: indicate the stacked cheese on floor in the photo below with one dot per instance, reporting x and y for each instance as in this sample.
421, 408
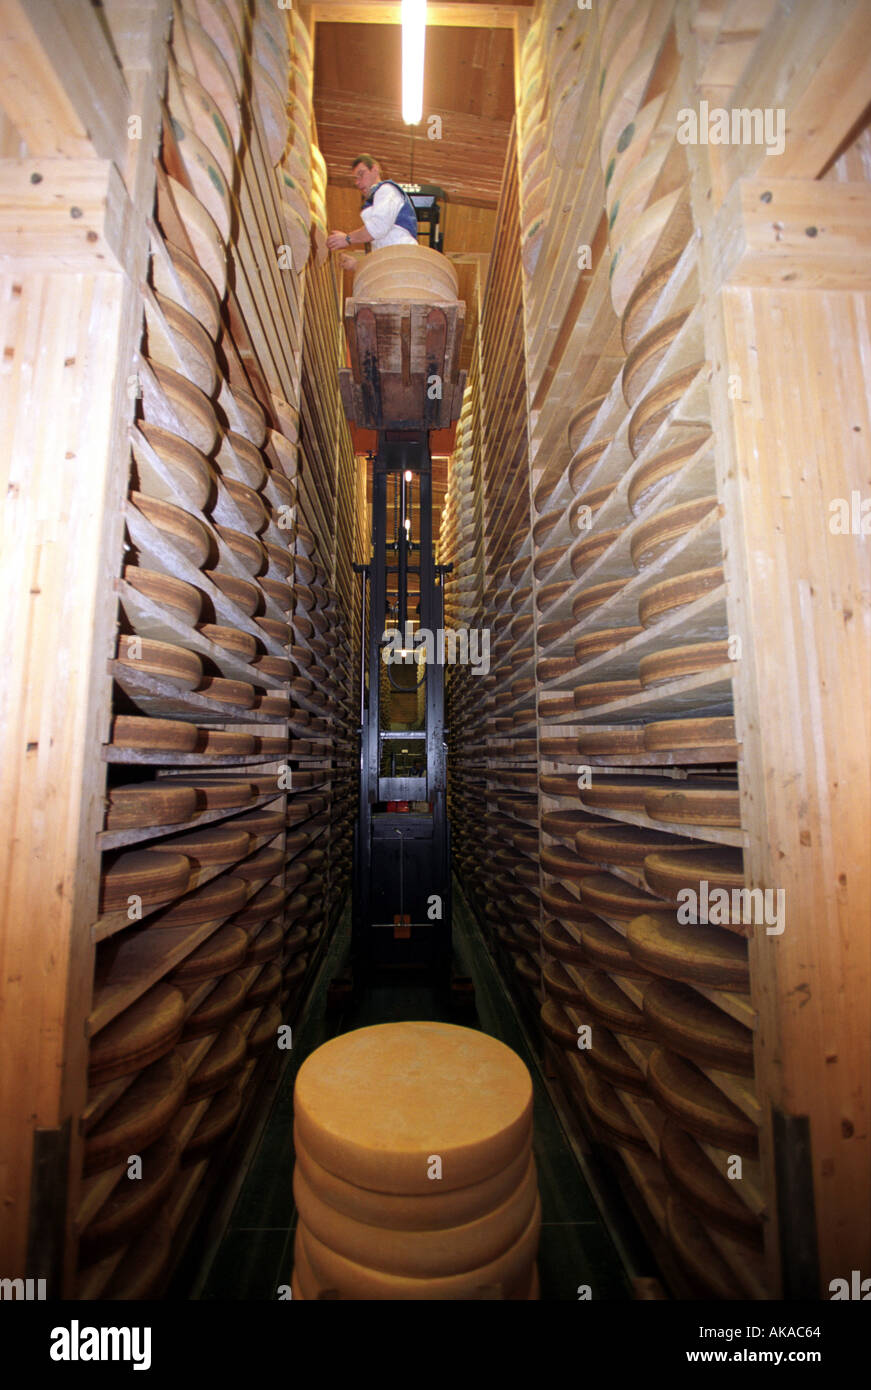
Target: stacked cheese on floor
414, 1173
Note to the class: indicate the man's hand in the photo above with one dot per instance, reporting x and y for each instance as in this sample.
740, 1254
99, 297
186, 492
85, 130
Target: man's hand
336, 241
348, 262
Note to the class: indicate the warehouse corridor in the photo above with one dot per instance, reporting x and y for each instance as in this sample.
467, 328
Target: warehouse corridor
254, 1256
434, 463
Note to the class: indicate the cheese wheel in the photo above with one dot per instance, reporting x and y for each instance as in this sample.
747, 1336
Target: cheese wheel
215, 899
133, 1201
153, 878
613, 1063
218, 1120
218, 1007
149, 804
356, 1281
139, 1118
606, 948
696, 954
604, 692
139, 1036
698, 1105
224, 950
610, 896
181, 599
371, 1106
422, 1254
563, 941
669, 871
224, 1058
690, 1024
695, 803
214, 844
624, 845
652, 475
153, 735
704, 1188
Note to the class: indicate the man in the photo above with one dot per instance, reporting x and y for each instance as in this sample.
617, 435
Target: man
388, 216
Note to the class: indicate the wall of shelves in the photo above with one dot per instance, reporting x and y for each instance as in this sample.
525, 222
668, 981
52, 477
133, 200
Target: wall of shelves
627, 746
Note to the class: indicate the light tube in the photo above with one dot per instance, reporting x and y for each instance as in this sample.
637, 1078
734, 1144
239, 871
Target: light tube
413, 43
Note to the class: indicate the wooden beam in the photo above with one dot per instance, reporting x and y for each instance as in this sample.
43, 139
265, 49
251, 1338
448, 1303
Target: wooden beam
797, 232
60, 81
63, 214
437, 15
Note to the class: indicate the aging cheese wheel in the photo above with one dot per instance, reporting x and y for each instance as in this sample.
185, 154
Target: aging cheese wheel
669, 595
696, 954
190, 407
434, 1211
566, 824
563, 862
647, 354
227, 692
652, 538
153, 735
149, 803
581, 421
549, 594
595, 643
218, 1007
607, 949
557, 1025
265, 988
675, 662
153, 878
217, 1122
590, 549
133, 1202
186, 473
261, 907
605, 1000
602, 742
356, 1281
232, 639
214, 844
238, 458
651, 476
615, 1122
139, 1117
162, 660
218, 898
217, 795
139, 1036
655, 408
264, 1032
621, 793
224, 950
441, 1251
267, 944
613, 1063
604, 692
698, 1105
686, 1021
695, 803
699, 1256
224, 1058
182, 600
192, 283
625, 845
563, 941
595, 595
247, 549
669, 871
560, 984
182, 530
264, 865
642, 302
704, 1188
371, 1105
716, 734
225, 742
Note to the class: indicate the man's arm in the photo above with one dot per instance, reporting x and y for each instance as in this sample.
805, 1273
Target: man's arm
337, 241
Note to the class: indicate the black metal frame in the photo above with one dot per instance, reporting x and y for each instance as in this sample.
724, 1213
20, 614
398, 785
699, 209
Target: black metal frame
401, 859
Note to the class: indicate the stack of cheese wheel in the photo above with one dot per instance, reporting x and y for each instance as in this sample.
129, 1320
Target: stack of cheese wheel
414, 1173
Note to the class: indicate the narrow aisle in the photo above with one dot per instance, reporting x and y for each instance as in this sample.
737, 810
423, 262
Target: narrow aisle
255, 1255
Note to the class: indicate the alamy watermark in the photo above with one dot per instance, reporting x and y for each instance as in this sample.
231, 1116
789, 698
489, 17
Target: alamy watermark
720, 907
447, 646
741, 125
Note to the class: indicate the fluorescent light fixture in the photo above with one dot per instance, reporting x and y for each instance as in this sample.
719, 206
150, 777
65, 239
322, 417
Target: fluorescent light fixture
413, 42
408, 475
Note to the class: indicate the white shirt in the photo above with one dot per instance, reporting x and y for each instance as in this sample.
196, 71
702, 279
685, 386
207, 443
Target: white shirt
380, 219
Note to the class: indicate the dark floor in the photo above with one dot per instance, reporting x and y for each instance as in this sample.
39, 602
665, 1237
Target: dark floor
255, 1254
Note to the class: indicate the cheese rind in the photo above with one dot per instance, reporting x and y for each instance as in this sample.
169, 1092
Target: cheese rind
378, 1105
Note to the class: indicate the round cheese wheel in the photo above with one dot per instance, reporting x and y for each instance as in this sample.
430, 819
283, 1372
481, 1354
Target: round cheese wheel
595, 643
557, 1025
153, 878
613, 1063
139, 1117
510, 1269
695, 803
647, 354
153, 735
232, 639
610, 896
603, 742
214, 844
224, 1058
699, 1256
605, 1000
716, 734
652, 538
149, 804
698, 1105
139, 1036
607, 948
669, 871
133, 1202
563, 940
218, 1007
373, 1105
669, 595
581, 421
612, 1118
224, 950
426, 1254
604, 692
704, 1188
651, 476
690, 1024
692, 953
621, 793
217, 1122
218, 898
625, 845
590, 549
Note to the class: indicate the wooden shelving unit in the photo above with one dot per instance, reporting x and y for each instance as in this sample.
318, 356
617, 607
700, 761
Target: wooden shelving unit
198, 496
665, 563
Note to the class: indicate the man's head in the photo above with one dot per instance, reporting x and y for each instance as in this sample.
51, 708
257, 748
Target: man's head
367, 173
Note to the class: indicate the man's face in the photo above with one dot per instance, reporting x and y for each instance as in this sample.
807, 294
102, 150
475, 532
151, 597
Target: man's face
365, 179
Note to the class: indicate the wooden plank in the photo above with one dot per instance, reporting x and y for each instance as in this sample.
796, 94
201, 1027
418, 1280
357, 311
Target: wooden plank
63, 214
796, 232
60, 82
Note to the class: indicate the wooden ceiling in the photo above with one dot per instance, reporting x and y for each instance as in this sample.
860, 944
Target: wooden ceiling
468, 84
